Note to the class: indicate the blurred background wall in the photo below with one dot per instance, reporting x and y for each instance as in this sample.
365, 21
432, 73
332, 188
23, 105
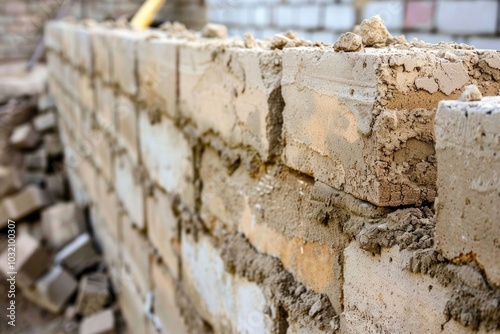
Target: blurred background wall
475, 22
466, 21
21, 21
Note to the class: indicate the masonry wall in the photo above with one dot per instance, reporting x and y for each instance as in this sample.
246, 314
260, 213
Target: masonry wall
239, 187
22, 21
473, 22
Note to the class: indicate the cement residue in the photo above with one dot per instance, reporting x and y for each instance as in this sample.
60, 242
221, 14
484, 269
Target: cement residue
286, 201
474, 302
178, 30
471, 93
249, 41
373, 32
291, 301
212, 30
348, 42
288, 39
411, 229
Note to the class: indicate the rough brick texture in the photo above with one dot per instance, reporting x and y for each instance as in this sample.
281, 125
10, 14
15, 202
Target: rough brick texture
236, 187
467, 145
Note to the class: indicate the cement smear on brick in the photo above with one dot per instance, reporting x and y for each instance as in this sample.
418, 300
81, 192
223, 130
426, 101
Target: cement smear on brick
292, 302
474, 302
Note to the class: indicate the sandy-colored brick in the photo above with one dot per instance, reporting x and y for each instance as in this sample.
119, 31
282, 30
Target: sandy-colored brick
157, 74
10, 180
31, 259
101, 52
102, 144
126, 118
228, 302
110, 245
123, 45
468, 209
105, 106
108, 206
53, 35
61, 223
86, 92
165, 306
132, 306
248, 100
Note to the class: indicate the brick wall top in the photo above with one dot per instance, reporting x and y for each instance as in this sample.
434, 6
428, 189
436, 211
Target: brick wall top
358, 121
473, 22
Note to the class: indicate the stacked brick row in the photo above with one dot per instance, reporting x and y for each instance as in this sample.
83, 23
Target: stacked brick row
254, 190
473, 22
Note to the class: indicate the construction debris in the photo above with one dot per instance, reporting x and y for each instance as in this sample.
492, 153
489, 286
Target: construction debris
26, 194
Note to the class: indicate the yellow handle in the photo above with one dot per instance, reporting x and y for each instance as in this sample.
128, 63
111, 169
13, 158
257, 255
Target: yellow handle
146, 14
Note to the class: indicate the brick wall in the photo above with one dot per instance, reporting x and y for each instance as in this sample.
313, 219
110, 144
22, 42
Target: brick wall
474, 22
22, 21
253, 189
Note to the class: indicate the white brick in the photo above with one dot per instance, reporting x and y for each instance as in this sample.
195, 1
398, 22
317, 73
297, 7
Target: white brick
165, 304
86, 91
225, 300
129, 189
330, 118
466, 17
102, 147
340, 17
101, 51
53, 35
125, 114
173, 169
84, 50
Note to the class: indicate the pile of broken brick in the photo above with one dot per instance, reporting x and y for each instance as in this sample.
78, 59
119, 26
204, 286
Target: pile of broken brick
57, 265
